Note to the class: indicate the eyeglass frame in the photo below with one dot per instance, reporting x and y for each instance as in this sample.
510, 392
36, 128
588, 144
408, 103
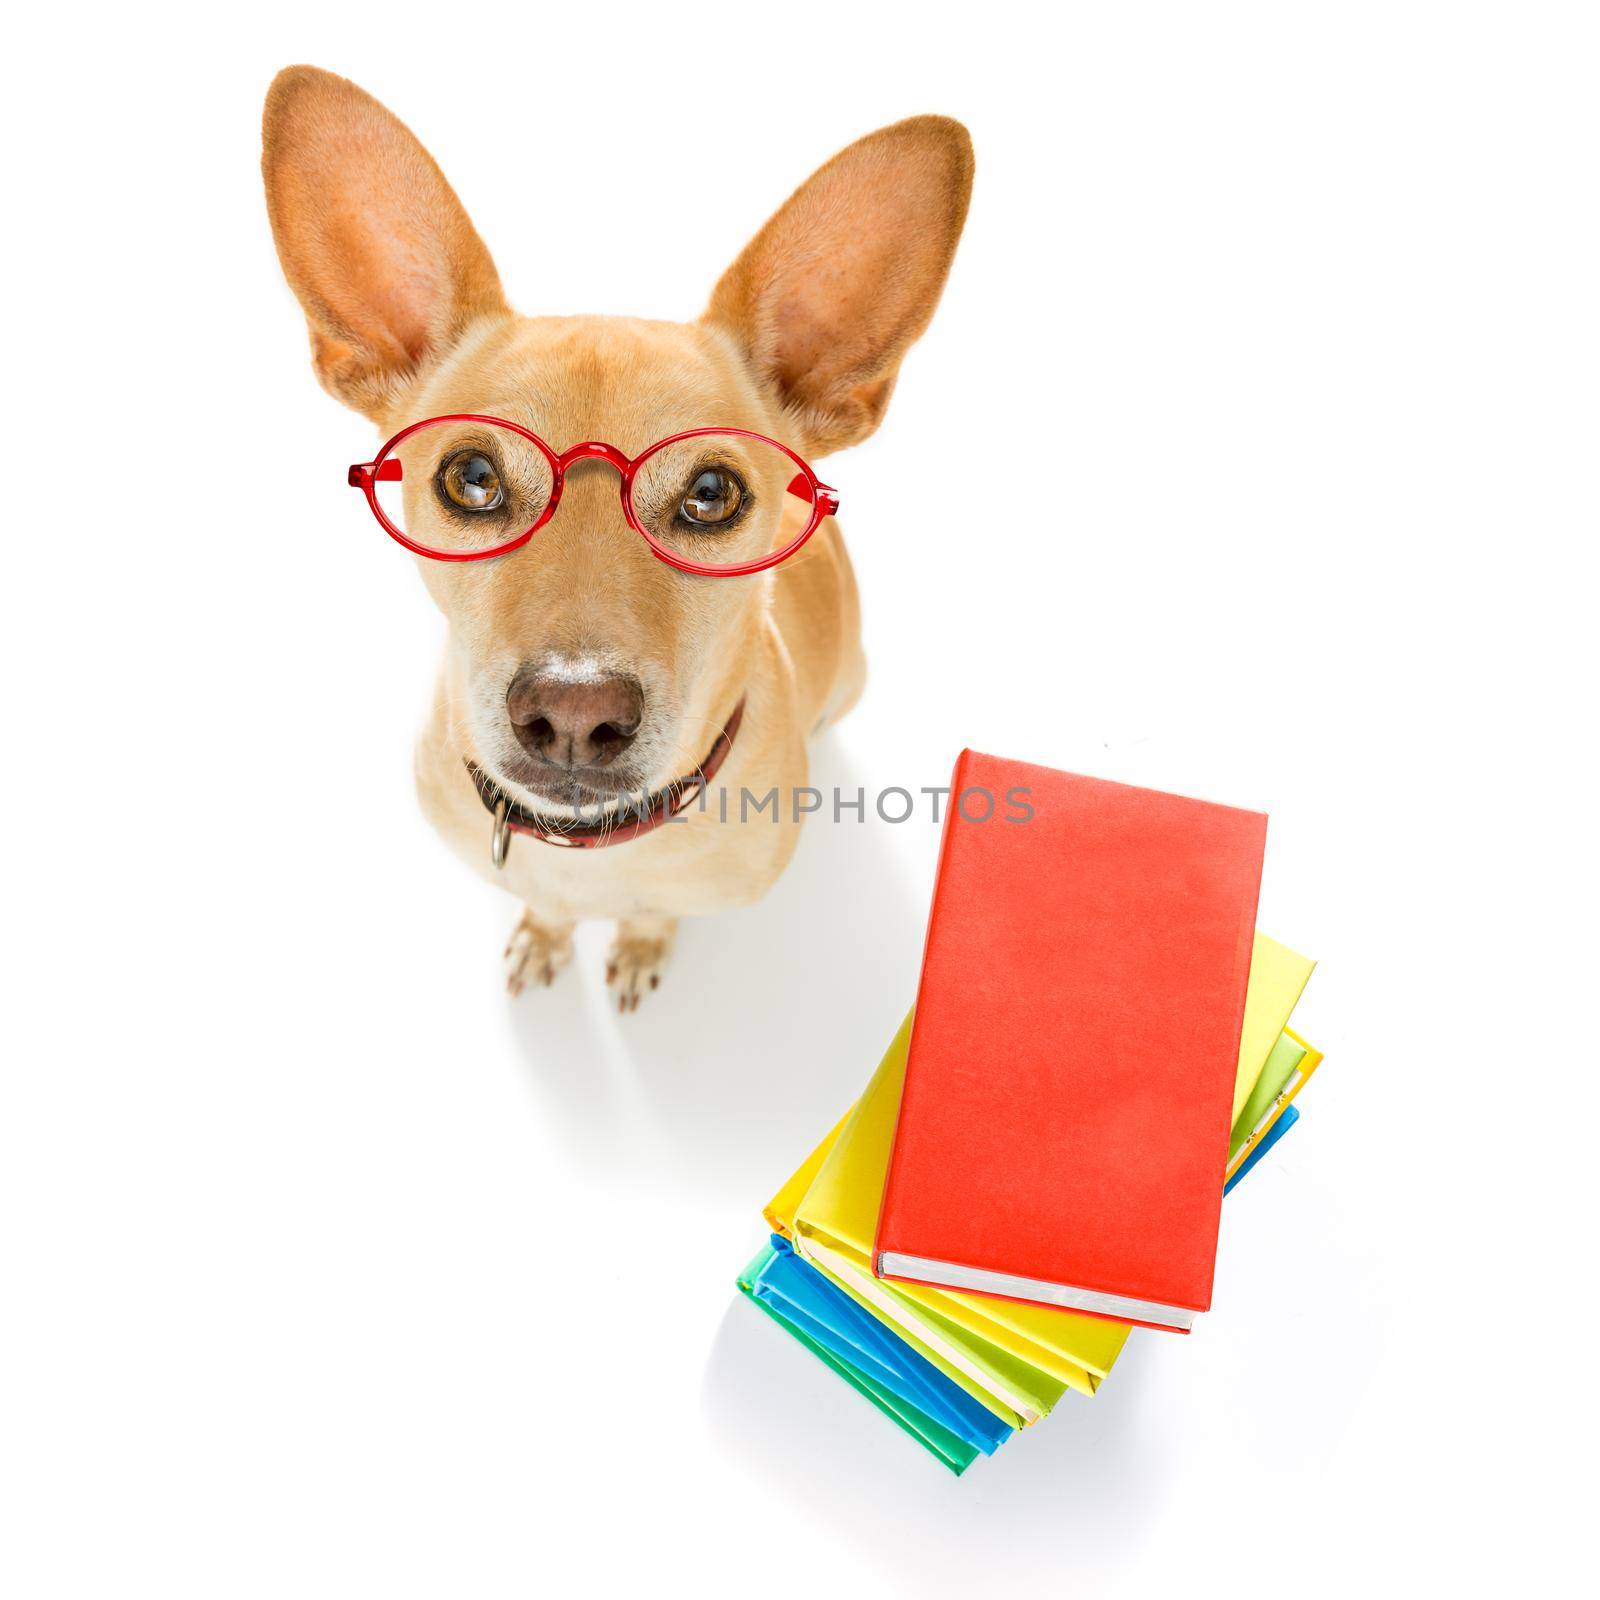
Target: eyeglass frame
366, 476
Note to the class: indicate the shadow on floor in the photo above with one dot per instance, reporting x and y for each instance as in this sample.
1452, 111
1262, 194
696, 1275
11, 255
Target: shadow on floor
1091, 1467
767, 1024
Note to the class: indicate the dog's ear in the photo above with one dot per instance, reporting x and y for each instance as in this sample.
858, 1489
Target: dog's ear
373, 240
829, 296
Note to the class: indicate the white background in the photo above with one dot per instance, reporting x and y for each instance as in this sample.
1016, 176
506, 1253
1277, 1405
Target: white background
1251, 454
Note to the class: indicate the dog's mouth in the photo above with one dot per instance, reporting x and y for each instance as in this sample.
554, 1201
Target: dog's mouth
596, 796
589, 806
592, 792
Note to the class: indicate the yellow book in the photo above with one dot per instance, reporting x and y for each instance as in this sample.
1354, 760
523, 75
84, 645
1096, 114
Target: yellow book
1278, 977
779, 1210
1015, 1358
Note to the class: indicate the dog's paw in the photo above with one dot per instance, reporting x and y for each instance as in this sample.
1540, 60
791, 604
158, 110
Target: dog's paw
638, 956
535, 953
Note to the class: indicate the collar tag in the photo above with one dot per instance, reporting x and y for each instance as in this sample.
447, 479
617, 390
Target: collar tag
500, 841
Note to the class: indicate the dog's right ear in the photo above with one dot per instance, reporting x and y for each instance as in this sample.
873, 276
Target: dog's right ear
373, 240
830, 295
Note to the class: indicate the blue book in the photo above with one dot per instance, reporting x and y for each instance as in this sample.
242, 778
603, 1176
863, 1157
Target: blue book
818, 1307
955, 1453
1290, 1116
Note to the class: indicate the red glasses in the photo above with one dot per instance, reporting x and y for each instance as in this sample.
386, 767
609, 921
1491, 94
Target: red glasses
715, 502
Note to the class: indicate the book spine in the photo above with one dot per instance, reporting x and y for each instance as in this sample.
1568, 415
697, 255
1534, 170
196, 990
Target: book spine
958, 780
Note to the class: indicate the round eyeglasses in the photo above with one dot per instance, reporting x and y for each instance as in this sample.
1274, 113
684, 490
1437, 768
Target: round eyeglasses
714, 502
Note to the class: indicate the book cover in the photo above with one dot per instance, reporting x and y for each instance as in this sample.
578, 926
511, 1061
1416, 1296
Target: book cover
1070, 1083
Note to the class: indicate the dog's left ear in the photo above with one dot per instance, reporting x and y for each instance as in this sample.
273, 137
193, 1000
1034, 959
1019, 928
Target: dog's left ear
830, 295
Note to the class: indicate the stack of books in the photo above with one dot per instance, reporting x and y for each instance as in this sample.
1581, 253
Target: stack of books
1100, 1049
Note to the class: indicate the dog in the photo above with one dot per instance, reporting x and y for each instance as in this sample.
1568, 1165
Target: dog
598, 709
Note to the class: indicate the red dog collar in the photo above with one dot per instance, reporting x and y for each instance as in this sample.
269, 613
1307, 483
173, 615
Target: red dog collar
511, 816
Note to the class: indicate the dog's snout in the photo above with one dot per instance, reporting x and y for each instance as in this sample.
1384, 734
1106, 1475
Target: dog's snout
587, 722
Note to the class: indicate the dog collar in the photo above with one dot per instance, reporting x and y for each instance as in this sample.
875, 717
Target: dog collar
511, 816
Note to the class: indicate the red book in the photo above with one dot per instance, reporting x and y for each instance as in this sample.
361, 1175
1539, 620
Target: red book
1064, 1124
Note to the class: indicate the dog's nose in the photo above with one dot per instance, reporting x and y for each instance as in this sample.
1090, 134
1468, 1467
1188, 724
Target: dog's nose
588, 723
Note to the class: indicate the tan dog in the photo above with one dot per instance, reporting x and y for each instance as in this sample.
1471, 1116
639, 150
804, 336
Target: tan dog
580, 668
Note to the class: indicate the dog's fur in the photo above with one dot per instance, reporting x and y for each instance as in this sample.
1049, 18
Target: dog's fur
802, 341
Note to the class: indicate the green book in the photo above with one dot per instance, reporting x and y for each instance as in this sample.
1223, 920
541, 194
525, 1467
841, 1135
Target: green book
1282, 1064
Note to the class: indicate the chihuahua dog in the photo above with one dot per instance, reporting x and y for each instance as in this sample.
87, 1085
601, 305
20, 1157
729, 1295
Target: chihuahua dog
612, 695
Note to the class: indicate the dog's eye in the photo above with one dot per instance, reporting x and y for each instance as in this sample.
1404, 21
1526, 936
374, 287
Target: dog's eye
713, 499
471, 481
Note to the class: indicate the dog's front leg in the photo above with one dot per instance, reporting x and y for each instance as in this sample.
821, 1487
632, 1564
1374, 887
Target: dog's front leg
638, 954
536, 952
